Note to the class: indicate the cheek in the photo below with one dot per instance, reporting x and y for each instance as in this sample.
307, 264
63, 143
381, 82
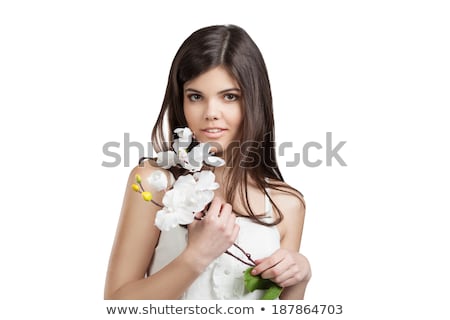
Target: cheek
191, 115
187, 112
185, 109
237, 117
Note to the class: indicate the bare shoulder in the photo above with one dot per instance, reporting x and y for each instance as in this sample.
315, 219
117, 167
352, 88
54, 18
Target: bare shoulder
292, 206
288, 199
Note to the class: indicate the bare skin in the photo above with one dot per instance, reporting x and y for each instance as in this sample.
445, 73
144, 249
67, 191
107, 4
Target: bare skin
137, 237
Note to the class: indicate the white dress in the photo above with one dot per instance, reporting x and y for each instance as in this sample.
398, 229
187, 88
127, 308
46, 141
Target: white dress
224, 277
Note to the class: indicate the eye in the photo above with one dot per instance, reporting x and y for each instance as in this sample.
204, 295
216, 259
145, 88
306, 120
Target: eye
231, 97
194, 97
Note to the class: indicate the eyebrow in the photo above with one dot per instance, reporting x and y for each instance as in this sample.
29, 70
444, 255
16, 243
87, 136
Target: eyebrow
220, 92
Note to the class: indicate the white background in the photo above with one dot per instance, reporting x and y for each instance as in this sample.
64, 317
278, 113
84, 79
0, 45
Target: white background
75, 75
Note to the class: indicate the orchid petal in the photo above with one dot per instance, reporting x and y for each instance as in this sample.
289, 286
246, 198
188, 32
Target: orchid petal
166, 159
184, 135
215, 161
165, 220
158, 180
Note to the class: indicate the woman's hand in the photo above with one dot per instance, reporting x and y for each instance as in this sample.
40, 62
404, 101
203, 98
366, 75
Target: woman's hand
214, 233
284, 267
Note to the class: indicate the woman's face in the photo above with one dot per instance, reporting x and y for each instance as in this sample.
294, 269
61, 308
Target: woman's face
212, 107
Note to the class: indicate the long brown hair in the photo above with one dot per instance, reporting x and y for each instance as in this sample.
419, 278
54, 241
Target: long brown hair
253, 158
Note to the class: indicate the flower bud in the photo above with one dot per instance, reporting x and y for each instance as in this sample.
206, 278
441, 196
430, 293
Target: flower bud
138, 178
135, 187
147, 196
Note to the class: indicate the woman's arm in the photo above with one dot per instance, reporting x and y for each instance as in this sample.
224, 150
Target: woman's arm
133, 248
286, 266
137, 237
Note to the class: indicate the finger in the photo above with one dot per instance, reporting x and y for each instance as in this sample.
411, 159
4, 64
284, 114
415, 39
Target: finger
279, 273
214, 209
298, 275
274, 256
265, 264
230, 223
236, 229
290, 281
199, 215
275, 271
225, 212
286, 273
294, 278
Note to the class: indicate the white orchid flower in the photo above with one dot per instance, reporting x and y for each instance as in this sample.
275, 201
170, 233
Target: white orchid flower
211, 159
186, 194
193, 161
190, 194
177, 206
158, 180
184, 135
205, 186
166, 159
205, 180
214, 161
167, 218
183, 157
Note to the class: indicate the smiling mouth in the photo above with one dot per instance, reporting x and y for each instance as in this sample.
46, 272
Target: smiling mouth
213, 133
213, 130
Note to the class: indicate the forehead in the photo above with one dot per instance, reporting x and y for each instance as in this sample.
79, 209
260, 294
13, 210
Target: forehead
215, 79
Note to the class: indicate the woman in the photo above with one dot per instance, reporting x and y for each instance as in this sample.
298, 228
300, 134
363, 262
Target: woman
218, 86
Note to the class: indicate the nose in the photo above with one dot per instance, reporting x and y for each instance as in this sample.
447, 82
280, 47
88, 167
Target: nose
211, 117
212, 111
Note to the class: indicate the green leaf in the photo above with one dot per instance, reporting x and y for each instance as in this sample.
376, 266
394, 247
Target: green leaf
253, 283
272, 293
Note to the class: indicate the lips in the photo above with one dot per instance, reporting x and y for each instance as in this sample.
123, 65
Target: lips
213, 132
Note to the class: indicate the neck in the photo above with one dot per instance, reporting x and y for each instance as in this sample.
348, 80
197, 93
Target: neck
220, 173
